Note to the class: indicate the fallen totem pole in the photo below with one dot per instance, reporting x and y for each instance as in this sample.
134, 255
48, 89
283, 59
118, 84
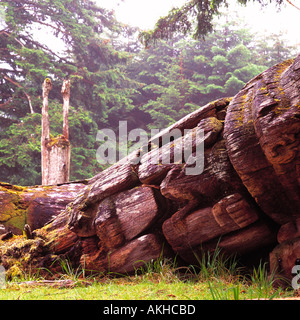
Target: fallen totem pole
246, 198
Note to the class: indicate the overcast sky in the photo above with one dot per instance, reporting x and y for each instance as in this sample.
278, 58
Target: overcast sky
144, 14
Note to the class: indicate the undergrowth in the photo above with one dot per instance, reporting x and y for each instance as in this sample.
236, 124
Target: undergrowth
215, 276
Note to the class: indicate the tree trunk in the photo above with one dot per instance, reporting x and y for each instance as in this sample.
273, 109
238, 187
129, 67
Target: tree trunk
247, 189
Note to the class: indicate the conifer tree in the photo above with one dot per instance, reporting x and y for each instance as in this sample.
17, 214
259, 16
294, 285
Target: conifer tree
194, 16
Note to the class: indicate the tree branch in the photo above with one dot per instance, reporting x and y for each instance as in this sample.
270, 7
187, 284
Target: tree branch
26, 94
6, 103
290, 2
39, 45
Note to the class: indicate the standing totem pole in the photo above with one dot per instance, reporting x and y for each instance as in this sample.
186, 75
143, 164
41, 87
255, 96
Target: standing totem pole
55, 151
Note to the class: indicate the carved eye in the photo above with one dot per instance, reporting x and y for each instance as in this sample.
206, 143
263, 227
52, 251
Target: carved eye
297, 262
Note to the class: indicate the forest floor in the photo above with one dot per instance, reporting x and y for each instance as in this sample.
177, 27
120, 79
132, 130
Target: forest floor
131, 288
214, 279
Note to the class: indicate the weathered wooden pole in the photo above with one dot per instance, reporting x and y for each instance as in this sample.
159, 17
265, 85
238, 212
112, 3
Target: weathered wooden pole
47, 86
55, 151
65, 91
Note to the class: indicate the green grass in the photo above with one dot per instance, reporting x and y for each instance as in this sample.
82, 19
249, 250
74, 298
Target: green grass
215, 277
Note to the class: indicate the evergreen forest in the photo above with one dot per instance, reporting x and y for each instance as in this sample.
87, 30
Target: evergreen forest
114, 77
